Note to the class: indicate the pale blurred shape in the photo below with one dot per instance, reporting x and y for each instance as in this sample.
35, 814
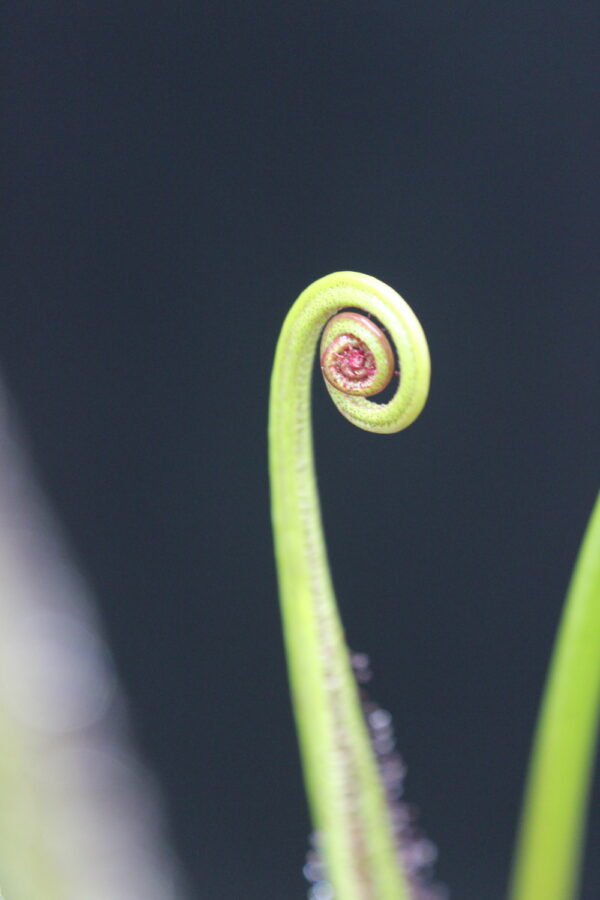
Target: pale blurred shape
80, 816
322, 890
58, 673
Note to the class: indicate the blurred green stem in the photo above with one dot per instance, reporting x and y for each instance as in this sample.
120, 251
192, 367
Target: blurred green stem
550, 844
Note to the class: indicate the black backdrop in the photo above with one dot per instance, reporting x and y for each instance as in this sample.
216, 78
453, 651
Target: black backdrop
177, 173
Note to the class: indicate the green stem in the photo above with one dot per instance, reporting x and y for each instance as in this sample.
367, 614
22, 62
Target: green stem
345, 794
550, 843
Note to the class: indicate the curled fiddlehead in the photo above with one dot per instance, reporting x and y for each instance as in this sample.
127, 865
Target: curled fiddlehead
346, 797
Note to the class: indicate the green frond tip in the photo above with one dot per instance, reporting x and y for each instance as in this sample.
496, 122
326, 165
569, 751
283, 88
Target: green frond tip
346, 797
550, 845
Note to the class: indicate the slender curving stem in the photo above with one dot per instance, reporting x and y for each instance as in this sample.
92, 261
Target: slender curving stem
549, 849
345, 794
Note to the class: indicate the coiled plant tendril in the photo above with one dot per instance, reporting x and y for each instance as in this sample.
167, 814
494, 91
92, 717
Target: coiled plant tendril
345, 794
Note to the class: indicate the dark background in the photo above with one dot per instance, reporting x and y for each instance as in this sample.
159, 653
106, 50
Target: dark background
177, 172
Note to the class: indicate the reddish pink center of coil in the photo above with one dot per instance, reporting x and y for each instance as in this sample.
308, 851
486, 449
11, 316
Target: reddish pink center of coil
356, 362
348, 364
